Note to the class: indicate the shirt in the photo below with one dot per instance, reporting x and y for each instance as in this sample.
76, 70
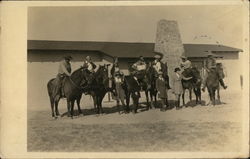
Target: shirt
64, 68
157, 66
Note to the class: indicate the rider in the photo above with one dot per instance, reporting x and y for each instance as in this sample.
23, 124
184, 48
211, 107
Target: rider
139, 70
186, 66
209, 64
89, 64
64, 71
160, 67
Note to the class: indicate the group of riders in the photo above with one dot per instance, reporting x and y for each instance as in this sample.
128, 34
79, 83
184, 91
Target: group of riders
138, 72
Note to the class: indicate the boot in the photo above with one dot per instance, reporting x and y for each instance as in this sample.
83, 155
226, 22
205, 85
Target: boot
222, 84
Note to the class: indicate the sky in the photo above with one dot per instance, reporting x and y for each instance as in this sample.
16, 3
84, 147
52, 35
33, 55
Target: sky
197, 24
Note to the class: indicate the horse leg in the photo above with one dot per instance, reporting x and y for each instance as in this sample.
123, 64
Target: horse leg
56, 107
127, 102
190, 95
95, 103
52, 107
213, 97
135, 102
72, 102
68, 106
100, 104
78, 105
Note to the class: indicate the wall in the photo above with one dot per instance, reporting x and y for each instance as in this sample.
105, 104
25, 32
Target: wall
43, 66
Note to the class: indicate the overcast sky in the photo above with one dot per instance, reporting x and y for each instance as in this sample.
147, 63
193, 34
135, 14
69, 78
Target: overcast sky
136, 24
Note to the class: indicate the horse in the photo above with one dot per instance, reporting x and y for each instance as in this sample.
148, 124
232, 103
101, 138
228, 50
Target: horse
131, 89
151, 76
213, 83
99, 88
193, 84
73, 87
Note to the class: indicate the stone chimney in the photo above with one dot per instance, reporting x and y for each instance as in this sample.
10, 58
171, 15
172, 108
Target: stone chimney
168, 42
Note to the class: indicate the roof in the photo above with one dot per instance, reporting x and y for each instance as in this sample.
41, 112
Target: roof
119, 49
126, 49
201, 50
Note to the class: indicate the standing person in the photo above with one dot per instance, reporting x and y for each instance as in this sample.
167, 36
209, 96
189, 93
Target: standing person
161, 86
209, 64
159, 66
119, 89
64, 71
89, 64
177, 85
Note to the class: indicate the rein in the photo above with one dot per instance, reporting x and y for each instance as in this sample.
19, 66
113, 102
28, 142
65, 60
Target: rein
78, 87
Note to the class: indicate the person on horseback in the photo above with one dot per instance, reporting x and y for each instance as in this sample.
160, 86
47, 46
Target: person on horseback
186, 66
89, 64
159, 66
209, 64
139, 70
64, 71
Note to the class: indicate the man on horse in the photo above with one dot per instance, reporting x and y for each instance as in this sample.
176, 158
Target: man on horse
64, 71
159, 66
139, 70
209, 64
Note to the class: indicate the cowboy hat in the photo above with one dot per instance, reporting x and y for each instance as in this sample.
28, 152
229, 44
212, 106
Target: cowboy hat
210, 53
177, 69
88, 58
160, 73
157, 56
67, 57
183, 57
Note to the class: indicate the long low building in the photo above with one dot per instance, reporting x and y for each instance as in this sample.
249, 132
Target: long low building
43, 57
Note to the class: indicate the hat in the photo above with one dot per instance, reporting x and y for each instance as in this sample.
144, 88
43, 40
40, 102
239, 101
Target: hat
177, 69
160, 73
183, 57
67, 57
210, 53
88, 58
157, 56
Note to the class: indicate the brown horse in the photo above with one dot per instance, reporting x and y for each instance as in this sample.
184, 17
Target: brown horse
73, 87
99, 87
213, 83
193, 84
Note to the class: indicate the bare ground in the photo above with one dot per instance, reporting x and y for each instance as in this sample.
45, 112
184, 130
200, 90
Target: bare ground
195, 128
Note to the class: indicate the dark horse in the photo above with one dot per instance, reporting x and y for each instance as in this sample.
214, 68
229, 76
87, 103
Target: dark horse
73, 87
213, 83
193, 84
131, 88
151, 76
99, 87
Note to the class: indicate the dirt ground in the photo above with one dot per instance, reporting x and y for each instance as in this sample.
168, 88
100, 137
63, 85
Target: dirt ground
193, 128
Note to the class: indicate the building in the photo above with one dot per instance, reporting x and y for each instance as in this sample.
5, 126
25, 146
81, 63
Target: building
43, 58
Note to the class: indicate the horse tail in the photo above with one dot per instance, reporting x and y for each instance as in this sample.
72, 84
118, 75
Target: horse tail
50, 87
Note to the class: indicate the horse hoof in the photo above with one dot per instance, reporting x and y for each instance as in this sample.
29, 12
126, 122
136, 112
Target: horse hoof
54, 117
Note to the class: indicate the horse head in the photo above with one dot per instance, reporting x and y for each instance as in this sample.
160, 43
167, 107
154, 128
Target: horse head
101, 75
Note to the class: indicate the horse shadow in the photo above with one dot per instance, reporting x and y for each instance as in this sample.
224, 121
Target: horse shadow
192, 103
